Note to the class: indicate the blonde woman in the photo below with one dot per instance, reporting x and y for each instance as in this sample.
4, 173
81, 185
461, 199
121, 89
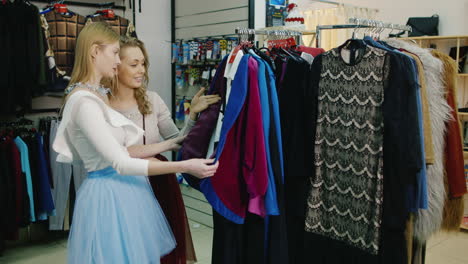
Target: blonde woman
116, 217
146, 109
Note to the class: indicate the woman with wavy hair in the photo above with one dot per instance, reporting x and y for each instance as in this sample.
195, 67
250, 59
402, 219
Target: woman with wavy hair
146, 109
116, 217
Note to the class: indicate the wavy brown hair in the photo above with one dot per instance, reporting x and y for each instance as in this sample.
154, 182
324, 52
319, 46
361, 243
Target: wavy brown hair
141, 97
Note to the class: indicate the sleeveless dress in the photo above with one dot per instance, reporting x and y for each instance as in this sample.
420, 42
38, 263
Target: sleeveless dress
117, 218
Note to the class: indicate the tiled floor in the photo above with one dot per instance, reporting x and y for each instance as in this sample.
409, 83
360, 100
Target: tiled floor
443, 248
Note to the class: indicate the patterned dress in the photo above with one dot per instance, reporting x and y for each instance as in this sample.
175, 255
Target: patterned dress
346, 195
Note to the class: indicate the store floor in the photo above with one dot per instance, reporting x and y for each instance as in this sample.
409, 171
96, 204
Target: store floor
443, 248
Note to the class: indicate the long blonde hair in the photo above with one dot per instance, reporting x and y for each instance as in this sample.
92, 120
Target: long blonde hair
144, 105
99, 33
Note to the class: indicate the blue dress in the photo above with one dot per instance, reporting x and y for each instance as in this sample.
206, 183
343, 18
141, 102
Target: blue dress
117, 219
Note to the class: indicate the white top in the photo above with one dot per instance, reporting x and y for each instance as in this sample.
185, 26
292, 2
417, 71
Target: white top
229, 74
93, 132
159, 124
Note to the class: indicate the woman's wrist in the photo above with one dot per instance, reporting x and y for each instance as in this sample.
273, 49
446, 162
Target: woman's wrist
183, 168
167, 145
193, 116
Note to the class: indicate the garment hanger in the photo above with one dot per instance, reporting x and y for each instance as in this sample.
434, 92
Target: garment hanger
353, 42
106, 13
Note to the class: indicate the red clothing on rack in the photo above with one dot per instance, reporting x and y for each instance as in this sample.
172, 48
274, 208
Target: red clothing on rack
312, 51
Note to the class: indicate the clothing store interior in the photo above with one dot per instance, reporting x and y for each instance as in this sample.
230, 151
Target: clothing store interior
234, 132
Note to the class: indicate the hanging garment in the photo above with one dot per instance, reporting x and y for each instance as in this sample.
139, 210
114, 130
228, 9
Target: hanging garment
64, 30
47, 207
429, 221
21, 56
14, 159
197, 141
428, 141
33, 151
454, 152
119, 24
23, 149
392, 223
276, 245
167, 192
454, 164
56, 81
309, 50
239, 172
349, 160
61, 173
238, 243
229, 73
292, 76
7, 197
271, 200
10, 174
416, 186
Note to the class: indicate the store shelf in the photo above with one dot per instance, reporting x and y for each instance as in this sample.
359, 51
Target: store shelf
463, 116
465, 154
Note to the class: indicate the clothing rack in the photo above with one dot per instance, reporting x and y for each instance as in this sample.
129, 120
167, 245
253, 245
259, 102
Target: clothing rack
249, 31
355, 23
279, 33
85, 4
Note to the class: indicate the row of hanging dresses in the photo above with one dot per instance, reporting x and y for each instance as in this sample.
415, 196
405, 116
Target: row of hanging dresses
64, 28
25, 181
381, 124
233, 131
244, 133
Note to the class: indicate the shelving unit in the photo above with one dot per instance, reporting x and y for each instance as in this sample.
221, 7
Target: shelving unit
444, 44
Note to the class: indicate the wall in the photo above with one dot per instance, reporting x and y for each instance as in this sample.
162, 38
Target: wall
203, 18
452, 13
153, 26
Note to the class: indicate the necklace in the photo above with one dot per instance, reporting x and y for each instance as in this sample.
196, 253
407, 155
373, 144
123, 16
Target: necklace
136, 115
95, 88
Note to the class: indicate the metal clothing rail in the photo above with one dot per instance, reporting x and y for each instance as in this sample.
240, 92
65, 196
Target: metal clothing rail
275, 32
249, 31
355, 23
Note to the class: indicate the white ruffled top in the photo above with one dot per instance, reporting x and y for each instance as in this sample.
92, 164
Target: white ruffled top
93, 132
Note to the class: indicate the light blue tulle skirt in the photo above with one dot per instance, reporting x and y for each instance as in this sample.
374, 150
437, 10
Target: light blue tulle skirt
117, 219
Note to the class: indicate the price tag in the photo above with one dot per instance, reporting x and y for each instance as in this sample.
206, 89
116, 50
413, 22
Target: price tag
234, 53
206, 74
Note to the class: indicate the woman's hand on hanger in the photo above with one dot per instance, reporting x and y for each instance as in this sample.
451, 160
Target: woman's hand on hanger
201, 102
